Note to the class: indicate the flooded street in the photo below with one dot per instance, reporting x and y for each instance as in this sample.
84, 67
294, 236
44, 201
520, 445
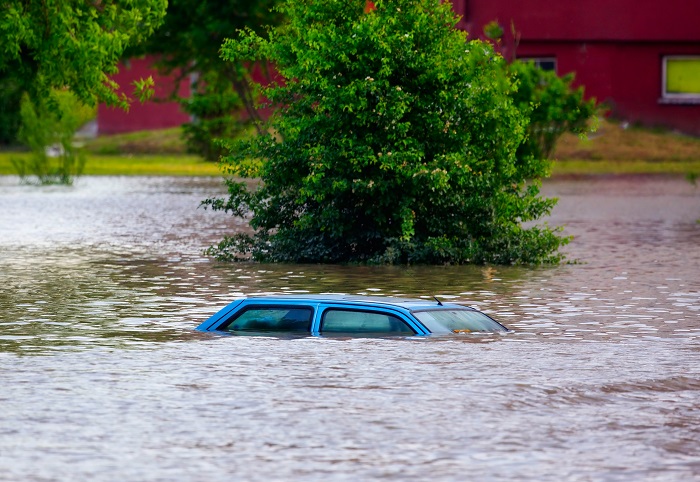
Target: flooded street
104, 379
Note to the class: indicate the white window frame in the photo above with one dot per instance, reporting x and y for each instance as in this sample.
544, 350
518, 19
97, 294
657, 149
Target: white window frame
676, 97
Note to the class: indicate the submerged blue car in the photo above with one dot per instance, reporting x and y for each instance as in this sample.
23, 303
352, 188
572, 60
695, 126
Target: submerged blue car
347, 315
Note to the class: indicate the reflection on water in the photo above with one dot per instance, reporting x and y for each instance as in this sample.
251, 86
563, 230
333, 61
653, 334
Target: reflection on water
103, 283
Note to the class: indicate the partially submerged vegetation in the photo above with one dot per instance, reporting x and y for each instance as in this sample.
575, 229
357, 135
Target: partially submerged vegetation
395, 141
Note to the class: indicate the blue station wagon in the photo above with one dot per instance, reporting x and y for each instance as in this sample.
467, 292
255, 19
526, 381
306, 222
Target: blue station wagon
347, 315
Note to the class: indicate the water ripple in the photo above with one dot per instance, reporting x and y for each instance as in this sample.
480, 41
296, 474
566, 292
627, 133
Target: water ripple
105, 378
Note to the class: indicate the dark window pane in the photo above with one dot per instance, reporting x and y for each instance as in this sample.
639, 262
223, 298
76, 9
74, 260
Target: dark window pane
544, 63
278, 318
347, 321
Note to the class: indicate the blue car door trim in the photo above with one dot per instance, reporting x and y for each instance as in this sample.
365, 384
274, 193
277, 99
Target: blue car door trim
222, 313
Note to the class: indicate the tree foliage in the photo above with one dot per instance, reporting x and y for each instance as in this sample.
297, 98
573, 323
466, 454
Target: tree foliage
551, 102
188, 44
10, 99
554, 107
49, 133
394, 141
74, 44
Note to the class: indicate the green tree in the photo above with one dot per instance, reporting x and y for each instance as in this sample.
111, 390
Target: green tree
74, 44
47, 129
553, 105
189, 43
394, 141
551, 102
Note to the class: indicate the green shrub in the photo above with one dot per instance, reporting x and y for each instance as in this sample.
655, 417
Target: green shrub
394, 141
553, 105
48, 129
213, 111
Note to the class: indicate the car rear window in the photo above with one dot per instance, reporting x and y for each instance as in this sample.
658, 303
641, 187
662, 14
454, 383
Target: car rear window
271, 318
339, 321
457, 321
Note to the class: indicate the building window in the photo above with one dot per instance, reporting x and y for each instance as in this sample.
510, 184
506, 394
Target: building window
681, 79
544, 63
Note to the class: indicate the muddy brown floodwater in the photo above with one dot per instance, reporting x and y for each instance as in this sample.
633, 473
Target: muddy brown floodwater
103, 378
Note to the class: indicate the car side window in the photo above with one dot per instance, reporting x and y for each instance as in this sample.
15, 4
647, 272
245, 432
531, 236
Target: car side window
357, 321
272, 318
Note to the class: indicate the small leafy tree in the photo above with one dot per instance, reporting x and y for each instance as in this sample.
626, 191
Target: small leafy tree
394, 141
215, 108
49, 133
554, 107
188, 44
551, 102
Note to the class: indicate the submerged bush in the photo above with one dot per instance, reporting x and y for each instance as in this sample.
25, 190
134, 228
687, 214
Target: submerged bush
394, 141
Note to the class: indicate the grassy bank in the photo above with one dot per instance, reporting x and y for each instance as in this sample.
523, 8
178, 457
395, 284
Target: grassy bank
144, 153
620, 149
613, 149
131, 165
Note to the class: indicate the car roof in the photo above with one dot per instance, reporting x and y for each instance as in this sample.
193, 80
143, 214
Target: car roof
406, 303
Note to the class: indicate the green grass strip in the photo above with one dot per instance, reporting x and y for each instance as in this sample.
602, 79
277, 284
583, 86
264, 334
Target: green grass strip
132, 165
189, 165
600, 167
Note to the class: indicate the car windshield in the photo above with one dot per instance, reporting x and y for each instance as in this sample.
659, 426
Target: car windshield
458, 321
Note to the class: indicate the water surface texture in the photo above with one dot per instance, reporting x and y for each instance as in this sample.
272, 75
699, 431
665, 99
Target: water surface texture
103, 378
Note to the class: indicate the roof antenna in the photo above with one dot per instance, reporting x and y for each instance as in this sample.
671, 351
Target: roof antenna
436, 299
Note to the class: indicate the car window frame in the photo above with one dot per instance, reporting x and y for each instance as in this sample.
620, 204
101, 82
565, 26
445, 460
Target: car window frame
222, 314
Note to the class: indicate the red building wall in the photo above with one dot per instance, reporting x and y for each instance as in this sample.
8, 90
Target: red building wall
560, 20
614, 47
153, 114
